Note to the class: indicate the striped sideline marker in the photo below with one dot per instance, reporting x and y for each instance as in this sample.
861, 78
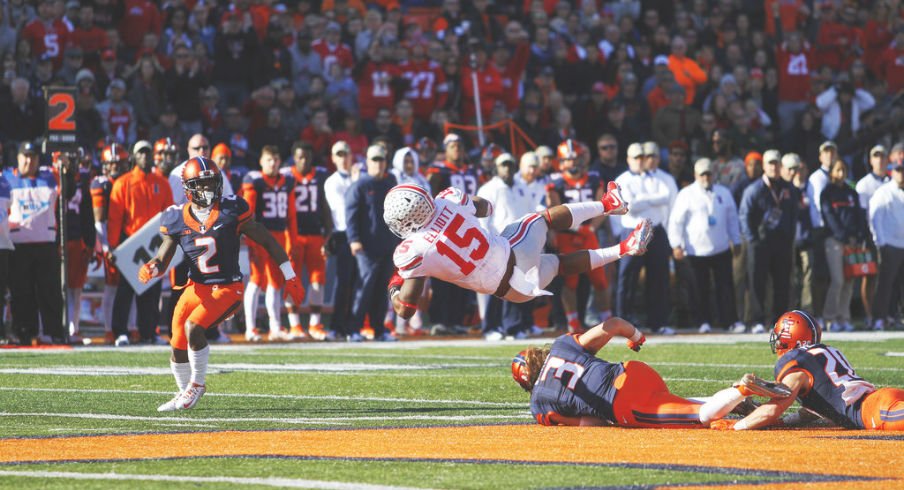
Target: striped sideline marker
269, 482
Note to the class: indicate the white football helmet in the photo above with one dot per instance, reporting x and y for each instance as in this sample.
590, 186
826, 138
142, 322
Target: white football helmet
407, 209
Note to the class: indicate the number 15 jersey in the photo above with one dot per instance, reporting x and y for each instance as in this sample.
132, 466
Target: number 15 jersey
454, 248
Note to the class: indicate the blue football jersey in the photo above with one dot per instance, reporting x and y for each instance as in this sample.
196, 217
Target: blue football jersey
271, 198
836, 392
466, 179
212, 247
574, 383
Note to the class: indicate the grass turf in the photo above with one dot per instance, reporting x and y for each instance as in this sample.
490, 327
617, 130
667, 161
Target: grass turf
301, 387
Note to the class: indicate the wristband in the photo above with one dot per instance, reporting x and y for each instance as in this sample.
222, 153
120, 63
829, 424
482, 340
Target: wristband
406, 305
287, 271
637, 335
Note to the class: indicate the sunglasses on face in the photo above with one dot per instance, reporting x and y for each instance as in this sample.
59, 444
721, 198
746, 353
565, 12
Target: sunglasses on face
377, 159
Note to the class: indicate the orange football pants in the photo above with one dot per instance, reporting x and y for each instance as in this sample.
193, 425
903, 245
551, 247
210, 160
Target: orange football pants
77, 258
204, 305
583, 239
264, 270
306, 252
883, 409
644, 400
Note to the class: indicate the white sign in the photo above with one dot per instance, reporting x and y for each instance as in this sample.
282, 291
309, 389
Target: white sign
140, 248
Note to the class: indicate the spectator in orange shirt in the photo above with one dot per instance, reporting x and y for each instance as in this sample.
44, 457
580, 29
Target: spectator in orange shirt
687, 72
136, 198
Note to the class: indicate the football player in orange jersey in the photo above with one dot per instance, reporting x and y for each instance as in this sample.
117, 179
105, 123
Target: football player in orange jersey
207, 228
269, 195
114, 160
822, 379
314, 223
166, 156
576, 185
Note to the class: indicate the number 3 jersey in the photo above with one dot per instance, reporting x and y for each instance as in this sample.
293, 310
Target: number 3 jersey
454, 248
834, 391
270, 199
211, 246
574, 382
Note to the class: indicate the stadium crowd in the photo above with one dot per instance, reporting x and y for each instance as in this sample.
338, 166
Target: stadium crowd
738, 128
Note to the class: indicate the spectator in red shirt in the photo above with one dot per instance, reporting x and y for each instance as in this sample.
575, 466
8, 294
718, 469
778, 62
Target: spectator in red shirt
92, 39
489, 83
838, 39
427, 88
794, 59
319, 134
140, 16
47, 34
375, 76
331, 50
891, 65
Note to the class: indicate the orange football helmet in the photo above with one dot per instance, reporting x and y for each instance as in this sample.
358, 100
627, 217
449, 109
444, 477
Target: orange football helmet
164, 145
794, 329
113, 159
520, 372
568, 149
202, 181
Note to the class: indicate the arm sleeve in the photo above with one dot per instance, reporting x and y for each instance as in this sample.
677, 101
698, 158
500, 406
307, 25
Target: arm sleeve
747, 216
678, 221
876, 213
116, 214
352, 214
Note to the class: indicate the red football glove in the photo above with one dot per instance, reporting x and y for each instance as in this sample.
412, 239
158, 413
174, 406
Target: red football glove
395, 283
295, 290
635, 346
148, 271
723, 424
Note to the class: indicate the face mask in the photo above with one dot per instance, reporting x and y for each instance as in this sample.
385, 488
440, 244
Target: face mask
208, 196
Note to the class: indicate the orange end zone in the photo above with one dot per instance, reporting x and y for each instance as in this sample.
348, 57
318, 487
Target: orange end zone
866, 455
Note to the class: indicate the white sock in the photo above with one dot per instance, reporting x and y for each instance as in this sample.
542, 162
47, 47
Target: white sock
198, 361
271, 301
74, 308
315, 299
718, 405
582, 211
294, 319
602, 256
252, 295
106, 305
133, 325
416, 321
182, 373
314, 319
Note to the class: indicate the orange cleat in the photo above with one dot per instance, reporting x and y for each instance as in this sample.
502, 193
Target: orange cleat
297, 333
574, 326
367, 332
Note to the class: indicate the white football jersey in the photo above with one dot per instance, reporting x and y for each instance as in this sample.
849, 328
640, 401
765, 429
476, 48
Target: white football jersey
454, 247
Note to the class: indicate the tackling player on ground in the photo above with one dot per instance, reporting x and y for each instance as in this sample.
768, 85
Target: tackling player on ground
443, 239
207, 228
569, 385
823, 381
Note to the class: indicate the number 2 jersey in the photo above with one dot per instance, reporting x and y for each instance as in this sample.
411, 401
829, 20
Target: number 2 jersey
574, 383
453, 247
834, 391
212, 246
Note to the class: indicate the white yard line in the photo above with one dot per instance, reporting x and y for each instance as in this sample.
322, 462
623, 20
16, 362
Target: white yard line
286, 420
420, 344
269, 482
285, 397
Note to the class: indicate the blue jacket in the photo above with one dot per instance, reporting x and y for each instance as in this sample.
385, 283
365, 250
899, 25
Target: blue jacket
364, 215
767, 214
842, 214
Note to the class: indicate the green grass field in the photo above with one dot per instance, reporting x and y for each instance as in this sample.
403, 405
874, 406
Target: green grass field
102, 391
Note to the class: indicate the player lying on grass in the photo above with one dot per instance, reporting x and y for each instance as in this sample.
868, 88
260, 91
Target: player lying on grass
569, 385
442, 238
207, 228
823, 381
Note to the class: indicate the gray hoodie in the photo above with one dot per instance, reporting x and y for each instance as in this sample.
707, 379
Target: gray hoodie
398, 169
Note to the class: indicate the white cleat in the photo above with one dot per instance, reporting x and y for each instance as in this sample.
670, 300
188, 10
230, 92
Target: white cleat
613, 202
279, 335
170, 406
253, 335
187, 399
122, 340
637, 241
